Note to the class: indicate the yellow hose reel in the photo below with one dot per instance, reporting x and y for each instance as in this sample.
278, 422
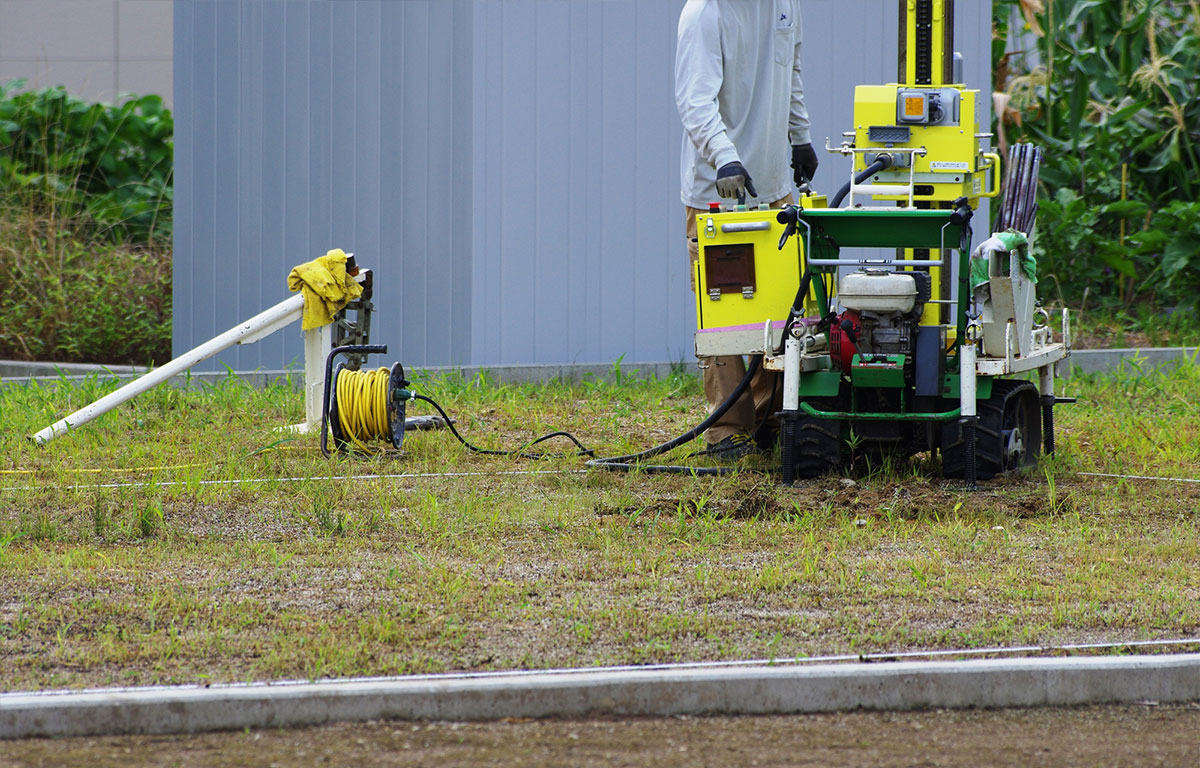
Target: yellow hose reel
361, 406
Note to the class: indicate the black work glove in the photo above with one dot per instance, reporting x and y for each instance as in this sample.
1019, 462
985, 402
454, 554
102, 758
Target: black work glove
734, 181
804, 163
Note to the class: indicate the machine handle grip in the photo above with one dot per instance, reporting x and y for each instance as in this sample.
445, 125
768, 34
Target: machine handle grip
750, 226
994, 167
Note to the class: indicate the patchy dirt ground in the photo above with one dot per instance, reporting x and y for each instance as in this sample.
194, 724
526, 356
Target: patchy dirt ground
178, 541
555, 571
1089, 736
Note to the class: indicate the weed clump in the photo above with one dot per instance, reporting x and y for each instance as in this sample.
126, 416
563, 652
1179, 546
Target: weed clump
85, 228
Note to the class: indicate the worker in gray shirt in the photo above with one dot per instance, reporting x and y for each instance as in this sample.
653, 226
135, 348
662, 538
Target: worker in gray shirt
741, 99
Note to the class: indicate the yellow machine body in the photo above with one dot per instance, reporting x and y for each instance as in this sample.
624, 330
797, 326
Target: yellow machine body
929, 114
743, 279
950, 166
928, 110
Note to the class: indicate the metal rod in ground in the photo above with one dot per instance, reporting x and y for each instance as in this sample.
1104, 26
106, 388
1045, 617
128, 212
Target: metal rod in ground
787, 447
1048, 425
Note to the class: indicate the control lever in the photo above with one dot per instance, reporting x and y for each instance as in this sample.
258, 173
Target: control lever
788, 215
962, 211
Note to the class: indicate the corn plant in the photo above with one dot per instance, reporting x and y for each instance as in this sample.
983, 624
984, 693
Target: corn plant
1109, 90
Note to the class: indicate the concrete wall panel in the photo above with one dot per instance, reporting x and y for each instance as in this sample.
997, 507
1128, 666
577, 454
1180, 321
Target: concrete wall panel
97, 49
142, 77
58, 29
144, 30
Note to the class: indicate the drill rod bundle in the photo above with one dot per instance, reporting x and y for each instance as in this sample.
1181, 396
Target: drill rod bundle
1019, 209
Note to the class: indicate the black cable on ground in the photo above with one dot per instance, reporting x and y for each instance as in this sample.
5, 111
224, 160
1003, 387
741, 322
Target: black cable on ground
630, 461
519, 452
620, 463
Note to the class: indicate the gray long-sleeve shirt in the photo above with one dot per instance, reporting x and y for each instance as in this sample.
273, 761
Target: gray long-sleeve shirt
739, 93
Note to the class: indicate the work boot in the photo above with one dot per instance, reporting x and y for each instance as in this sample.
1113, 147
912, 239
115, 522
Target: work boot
767, 437
732, 448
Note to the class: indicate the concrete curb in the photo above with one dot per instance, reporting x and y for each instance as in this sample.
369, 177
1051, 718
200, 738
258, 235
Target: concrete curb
1145, 359
17, 372
37, 370
660, 691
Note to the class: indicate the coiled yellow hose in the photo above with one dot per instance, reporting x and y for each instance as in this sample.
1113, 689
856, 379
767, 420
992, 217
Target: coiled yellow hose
362, 406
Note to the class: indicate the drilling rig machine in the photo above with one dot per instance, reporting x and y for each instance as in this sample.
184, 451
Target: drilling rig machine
892, 335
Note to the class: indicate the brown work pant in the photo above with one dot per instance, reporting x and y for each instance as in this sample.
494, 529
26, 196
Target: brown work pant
722, 374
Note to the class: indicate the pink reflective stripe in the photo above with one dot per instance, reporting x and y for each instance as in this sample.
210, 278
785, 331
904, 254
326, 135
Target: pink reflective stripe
750, 327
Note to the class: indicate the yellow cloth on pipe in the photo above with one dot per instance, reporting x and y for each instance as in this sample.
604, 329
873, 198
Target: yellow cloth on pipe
326, 288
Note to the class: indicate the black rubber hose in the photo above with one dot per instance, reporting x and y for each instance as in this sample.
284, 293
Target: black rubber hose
630, 461
882, 164
519, 452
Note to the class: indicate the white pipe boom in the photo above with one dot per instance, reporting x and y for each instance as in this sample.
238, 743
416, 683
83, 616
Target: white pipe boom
278, 316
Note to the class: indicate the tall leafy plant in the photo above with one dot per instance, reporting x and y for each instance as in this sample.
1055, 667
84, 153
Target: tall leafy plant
108, 165
1109, 89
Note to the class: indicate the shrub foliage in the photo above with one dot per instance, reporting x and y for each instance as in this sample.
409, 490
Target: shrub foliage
69, 157
67, 301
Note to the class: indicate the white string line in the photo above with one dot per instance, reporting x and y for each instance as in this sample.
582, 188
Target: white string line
262, 480
429, 475
1140, 477
881, 656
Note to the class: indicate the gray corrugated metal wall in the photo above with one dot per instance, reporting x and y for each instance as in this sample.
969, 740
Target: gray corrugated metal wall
510, 169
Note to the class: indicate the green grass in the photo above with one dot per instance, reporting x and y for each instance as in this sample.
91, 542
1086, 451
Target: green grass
135, 551
68, 295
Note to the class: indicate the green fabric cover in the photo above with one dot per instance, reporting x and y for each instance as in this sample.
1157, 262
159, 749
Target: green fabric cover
1013, 241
